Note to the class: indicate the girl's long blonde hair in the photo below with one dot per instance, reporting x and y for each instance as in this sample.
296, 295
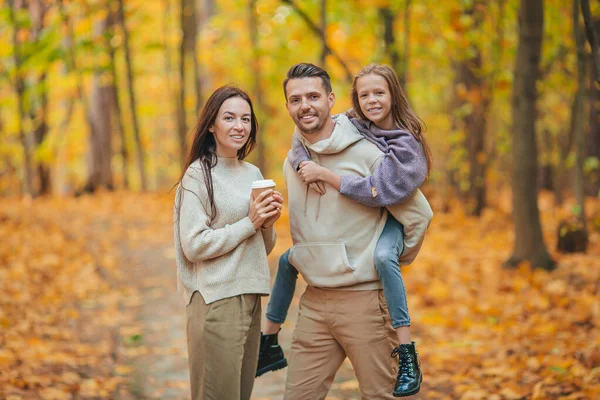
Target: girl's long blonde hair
403, 114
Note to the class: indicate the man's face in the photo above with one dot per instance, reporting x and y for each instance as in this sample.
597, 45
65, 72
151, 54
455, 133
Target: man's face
308, 104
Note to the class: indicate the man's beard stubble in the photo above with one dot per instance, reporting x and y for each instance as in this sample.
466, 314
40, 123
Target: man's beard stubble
315, 129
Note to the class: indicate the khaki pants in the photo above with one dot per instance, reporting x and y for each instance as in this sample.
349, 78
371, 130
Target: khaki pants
223, 341
333, 325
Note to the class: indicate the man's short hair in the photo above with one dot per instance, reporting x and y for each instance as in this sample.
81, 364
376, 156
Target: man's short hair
307, 70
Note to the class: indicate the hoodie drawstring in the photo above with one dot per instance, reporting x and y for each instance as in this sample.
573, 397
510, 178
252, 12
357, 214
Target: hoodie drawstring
305, 199
319, 206
306, 202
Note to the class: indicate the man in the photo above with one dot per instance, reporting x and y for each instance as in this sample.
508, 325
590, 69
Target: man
343, 311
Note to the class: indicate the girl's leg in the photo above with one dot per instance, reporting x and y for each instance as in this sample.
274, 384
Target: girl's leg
387, 252
271, 357
281, 295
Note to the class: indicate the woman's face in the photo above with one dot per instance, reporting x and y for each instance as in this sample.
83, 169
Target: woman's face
232, 126
375, 100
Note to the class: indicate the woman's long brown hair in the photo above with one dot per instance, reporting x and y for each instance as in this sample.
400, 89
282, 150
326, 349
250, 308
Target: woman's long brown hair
203, 146
403, 114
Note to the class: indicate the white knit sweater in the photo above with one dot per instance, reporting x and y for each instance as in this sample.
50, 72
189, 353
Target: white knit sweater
226, 256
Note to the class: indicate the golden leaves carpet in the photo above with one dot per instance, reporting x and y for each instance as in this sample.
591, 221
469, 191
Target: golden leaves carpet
71, 301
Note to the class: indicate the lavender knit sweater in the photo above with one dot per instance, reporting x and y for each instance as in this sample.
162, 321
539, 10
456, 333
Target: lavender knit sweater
402, 170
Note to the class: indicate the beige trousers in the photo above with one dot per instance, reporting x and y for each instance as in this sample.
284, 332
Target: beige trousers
223, 341
333, 325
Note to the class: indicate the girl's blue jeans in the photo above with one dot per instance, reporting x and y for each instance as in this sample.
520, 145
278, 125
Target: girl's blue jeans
387, 252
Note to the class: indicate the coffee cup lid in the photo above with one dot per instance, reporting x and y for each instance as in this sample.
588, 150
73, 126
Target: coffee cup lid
263, 183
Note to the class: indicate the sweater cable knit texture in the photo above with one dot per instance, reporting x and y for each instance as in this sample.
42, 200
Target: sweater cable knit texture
226, 256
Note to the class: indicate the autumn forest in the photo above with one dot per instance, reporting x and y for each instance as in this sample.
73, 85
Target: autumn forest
97, 99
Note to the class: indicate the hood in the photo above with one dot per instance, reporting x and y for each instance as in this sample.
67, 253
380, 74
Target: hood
344, 134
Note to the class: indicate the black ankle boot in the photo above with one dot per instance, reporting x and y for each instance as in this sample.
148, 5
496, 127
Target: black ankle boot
409, 371
270, 356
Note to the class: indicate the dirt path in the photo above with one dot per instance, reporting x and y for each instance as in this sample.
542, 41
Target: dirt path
160, 368
151, 347
161, 371
113, 294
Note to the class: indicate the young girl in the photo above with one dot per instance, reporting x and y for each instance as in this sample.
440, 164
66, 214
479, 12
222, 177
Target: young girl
386, 120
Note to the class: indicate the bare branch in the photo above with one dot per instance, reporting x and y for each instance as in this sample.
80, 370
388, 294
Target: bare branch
319, 32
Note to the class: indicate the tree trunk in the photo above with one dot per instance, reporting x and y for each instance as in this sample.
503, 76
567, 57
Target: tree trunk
592, 36
593, 138
261, 160
206, 10
40, 133
181, 114
197, 80
579, 115
132, 98
564, 148
529, 243
100, 155
20, 91
72, 67
324, 49
472, 104
39, 109
389, 40
406, 46
100, 151
115, 105
192, 53
397, 60
189, 27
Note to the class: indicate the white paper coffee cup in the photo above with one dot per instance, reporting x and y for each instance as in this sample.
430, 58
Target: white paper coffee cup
260, 186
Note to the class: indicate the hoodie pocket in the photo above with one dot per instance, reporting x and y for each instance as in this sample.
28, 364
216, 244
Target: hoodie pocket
323, 264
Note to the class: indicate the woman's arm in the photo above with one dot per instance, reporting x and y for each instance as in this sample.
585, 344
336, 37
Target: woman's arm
270, 237
198, 240
267, 230
401, 171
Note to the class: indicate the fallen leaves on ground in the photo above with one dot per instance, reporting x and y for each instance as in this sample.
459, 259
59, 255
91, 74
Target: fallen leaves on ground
483, 331
64, 299
486, 332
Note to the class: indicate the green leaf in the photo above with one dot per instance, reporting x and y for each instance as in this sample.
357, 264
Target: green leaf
134, 339
591, 164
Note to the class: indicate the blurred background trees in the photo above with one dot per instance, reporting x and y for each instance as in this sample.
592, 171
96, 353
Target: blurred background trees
102, 93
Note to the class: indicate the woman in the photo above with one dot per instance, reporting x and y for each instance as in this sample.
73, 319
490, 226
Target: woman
387, 120
222, 238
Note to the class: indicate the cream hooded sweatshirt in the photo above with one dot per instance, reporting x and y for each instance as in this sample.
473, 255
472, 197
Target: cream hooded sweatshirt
335, 237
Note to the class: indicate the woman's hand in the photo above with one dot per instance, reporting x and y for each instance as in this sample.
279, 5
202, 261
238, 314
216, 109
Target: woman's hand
263, 207
278, 203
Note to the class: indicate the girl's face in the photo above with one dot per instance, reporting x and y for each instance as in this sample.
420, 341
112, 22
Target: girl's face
232, 126
375, 100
